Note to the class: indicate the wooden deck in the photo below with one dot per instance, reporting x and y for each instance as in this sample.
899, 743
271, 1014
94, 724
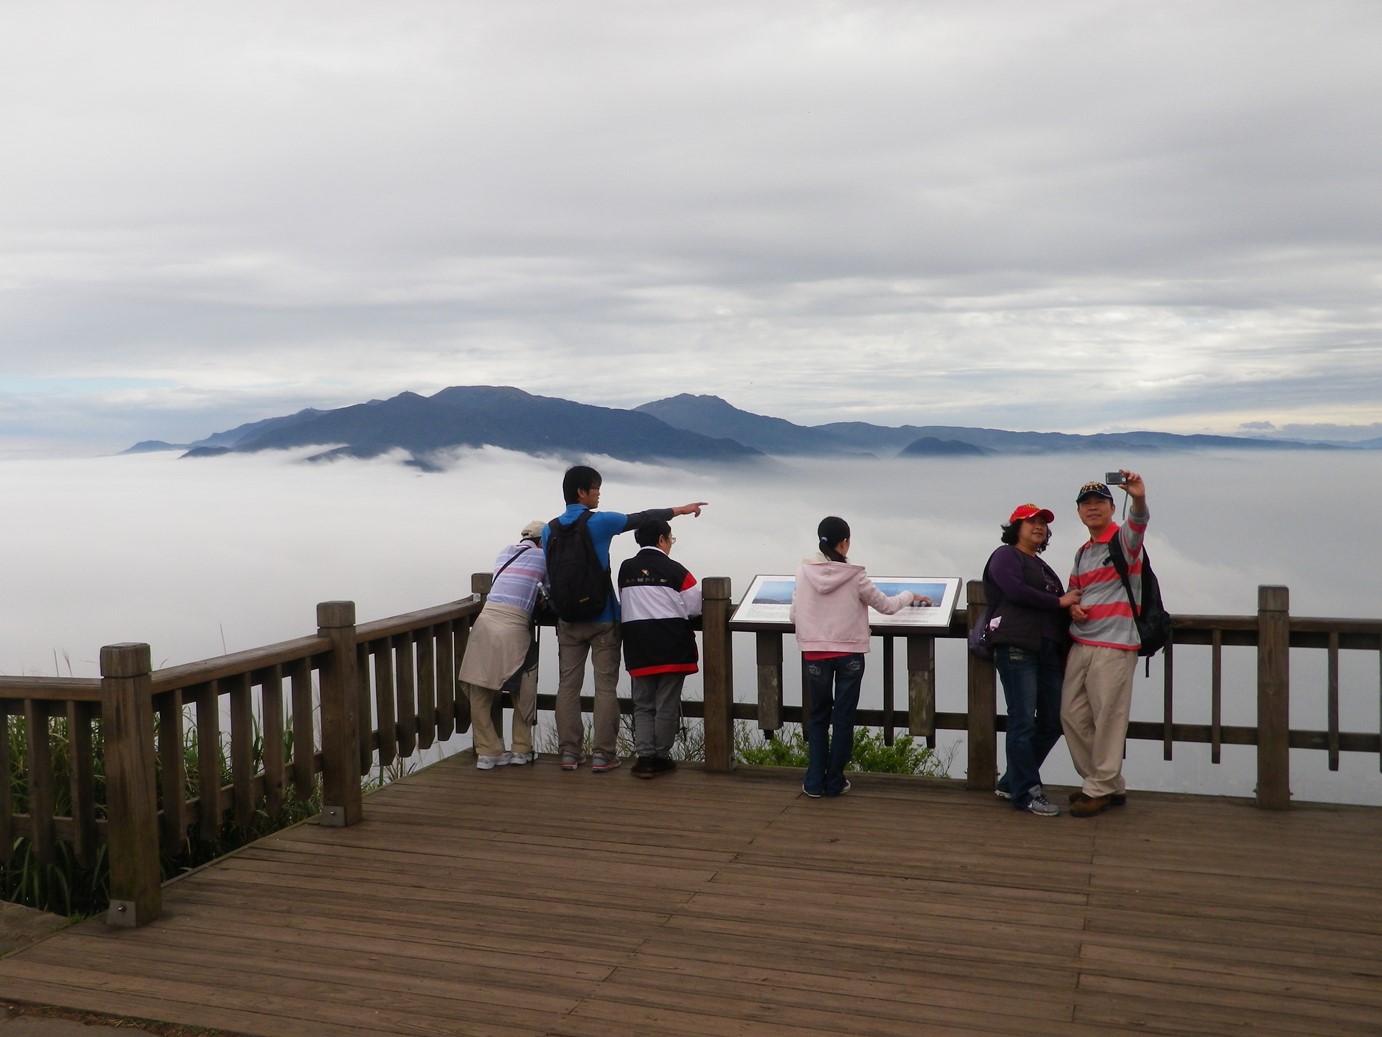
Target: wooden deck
528, 901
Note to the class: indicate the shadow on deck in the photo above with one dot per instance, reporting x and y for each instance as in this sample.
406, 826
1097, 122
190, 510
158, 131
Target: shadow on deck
529, 901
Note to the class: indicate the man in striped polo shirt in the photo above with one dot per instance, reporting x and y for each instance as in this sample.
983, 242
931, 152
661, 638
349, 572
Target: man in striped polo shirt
1096, 696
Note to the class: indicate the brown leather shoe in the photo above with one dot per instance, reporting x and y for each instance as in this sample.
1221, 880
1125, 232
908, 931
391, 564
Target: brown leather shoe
1117, 799
1088, 806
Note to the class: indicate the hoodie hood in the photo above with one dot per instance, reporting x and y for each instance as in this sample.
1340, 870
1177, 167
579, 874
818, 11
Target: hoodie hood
825, 576
830, 608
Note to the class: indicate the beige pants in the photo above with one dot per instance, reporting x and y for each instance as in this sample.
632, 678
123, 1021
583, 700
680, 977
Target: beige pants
600, 642
1096, 699
488, 741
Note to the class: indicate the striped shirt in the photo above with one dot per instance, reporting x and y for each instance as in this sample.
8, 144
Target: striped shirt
517, 585
1109, 619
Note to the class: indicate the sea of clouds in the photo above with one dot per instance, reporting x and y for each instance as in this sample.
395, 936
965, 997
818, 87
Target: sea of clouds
206, 556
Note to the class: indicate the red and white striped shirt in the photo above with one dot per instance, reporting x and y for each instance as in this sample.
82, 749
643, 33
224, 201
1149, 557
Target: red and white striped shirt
1109, 621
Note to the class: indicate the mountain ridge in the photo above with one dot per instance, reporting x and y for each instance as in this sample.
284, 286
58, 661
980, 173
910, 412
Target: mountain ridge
678, 428
772, 435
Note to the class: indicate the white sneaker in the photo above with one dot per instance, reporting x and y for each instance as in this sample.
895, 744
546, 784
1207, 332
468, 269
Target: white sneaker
521, 759
488, 763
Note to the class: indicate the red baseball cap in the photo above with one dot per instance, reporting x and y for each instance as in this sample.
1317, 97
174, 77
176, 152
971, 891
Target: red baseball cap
1026, 511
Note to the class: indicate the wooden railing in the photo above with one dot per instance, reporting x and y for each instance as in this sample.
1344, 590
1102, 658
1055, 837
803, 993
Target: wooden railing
308, 701
1273, 632
335, 704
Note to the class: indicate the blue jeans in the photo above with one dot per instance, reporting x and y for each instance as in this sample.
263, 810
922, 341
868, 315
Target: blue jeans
834, 688
1031, 685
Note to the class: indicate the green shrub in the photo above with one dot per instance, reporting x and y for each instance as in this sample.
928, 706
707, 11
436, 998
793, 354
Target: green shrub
65, 887
871, 753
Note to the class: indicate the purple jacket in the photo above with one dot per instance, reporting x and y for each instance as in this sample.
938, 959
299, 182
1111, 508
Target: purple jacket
830, 605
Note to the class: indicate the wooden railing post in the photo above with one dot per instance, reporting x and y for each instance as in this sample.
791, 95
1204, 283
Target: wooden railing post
719, 674
342, 802
1273, 698
983, 706
768, 644
127, 712
921, 687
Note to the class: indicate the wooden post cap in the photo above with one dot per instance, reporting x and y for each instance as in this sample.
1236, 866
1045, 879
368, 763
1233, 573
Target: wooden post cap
130, 659
335, 614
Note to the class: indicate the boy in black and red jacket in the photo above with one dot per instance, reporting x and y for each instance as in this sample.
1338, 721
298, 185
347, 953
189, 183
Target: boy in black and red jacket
657, 598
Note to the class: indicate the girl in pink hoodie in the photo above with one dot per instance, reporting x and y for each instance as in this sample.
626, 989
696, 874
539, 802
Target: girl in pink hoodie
830, 608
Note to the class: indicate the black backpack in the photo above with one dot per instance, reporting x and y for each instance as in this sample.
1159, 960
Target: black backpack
1153, 621
979, 644
580, 584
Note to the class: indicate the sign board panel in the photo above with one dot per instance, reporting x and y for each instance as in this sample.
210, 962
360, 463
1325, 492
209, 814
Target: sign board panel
769, 600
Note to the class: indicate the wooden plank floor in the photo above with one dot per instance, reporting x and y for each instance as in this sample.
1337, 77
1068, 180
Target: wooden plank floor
529, 901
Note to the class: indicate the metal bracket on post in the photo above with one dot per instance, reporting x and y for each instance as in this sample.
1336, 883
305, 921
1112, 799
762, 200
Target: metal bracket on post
122, 914
333, 817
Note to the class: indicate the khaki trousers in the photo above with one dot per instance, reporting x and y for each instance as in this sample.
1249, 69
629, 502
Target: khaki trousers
1096, 699
600, 642
488, 741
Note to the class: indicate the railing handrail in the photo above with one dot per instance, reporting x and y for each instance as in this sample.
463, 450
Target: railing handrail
410, 621
51, 689
234, 664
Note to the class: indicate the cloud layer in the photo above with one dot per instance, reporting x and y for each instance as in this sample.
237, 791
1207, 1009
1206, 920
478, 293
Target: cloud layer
203, 557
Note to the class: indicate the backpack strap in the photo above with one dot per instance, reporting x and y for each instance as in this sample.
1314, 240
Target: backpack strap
1120, 563
992, 606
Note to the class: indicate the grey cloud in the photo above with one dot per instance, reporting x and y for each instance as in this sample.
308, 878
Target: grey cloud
1180, 199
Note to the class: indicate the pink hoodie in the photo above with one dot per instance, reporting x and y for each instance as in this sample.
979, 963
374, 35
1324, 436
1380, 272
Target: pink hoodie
830, 605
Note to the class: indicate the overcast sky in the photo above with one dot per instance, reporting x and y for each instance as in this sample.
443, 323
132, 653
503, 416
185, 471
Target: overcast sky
1062, 216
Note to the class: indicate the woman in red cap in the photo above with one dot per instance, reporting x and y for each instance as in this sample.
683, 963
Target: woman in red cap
1028, 625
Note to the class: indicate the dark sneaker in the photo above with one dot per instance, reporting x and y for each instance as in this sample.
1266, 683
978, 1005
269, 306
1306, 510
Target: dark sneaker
643, 767
663, 765
809, 793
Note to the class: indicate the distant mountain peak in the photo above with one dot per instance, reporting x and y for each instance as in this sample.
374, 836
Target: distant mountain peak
476, 416
685, 427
